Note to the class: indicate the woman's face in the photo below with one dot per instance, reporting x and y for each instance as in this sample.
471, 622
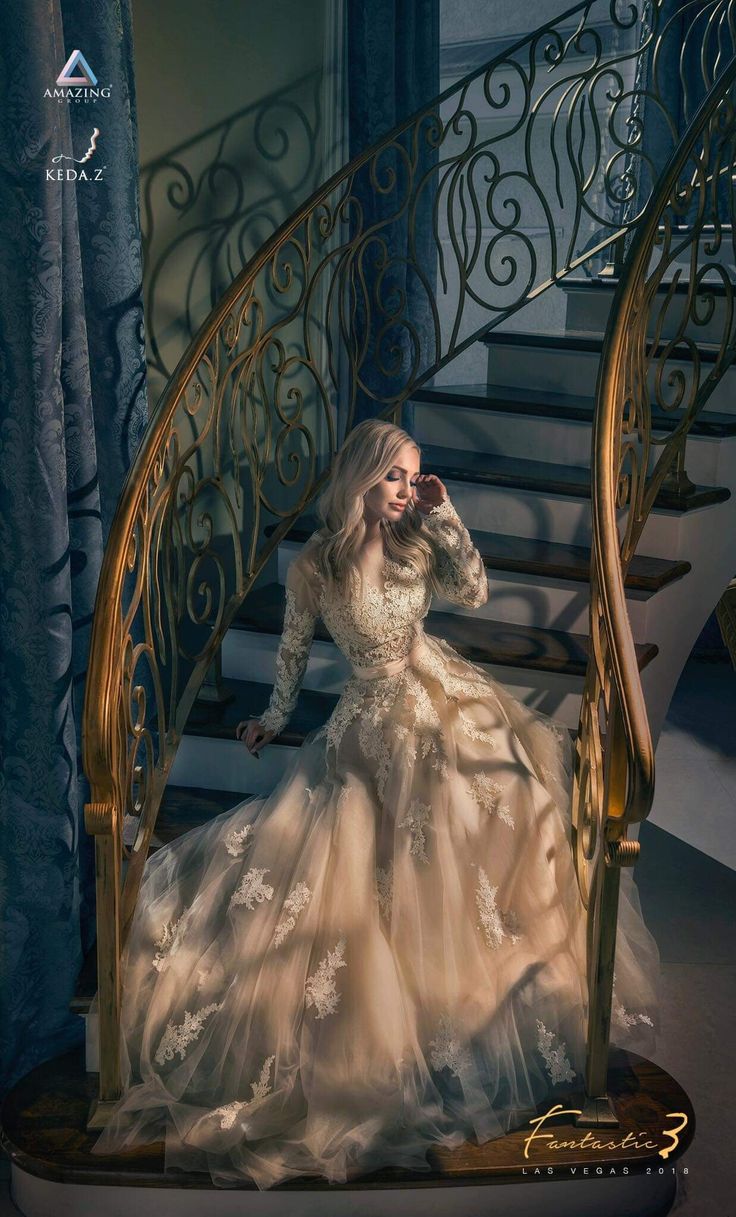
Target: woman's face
388, 499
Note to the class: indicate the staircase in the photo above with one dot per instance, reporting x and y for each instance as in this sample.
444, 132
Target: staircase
527, 460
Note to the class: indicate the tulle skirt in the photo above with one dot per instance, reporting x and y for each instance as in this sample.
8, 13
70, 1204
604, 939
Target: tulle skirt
384, 955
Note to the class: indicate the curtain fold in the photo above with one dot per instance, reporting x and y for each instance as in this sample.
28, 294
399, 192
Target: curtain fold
72, 411
393, 69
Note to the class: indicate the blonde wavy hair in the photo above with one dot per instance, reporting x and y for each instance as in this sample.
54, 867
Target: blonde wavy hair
366, 456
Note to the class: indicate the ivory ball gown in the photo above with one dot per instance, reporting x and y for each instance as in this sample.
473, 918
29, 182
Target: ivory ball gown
386, 953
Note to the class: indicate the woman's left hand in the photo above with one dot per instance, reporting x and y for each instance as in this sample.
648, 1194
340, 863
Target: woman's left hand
430, 492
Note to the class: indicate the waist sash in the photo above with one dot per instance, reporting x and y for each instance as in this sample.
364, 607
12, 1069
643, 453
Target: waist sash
392, 666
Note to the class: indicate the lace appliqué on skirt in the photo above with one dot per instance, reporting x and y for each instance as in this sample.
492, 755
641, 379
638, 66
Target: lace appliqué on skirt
448, 1050
297, 899
416, 820
495, 923
487, 792
178, 1036
320, 990
237, 841
556, 1062
169, 942
252, 887
228, 1113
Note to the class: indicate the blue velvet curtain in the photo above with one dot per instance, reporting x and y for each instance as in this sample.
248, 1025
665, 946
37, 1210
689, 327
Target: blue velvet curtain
72, 410
393, 70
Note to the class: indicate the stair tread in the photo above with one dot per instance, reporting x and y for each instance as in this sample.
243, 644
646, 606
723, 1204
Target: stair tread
249, 698
681, 285
584, 340
480, 639
521, 473
547, 559
546, 403
185, 807
45, 1116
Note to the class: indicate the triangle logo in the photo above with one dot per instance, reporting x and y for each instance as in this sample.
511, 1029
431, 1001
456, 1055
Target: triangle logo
76, 63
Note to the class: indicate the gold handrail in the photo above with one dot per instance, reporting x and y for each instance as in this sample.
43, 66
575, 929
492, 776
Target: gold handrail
248, 418
614, 785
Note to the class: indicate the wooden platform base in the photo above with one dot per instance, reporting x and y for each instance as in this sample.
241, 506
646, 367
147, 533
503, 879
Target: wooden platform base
44, 1130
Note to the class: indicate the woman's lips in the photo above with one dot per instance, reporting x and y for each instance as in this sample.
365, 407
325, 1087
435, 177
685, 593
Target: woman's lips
401, 505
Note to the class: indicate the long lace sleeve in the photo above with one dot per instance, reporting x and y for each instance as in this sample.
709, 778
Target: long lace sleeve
458, 565
300, 617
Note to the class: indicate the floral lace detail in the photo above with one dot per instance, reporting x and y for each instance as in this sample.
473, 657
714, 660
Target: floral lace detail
178, 1036
320, 988
445, 511
229, 1112
427, 724
296, 900
375, 609
473, 731
487, 792
458, 565
448, 1050
408, 746
291, 663
625, 1018
557, 1065
373, 744
495, 923
416, 820
431, 664
169, 942
237, 841
375, 626
252, 887
385, 888
346, 711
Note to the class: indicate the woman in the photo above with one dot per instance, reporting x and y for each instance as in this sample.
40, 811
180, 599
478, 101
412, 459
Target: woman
387, 953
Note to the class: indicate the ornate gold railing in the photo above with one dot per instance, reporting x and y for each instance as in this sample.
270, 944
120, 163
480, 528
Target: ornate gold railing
341, 304
680, 275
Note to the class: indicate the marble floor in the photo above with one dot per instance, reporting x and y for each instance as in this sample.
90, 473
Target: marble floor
689, 902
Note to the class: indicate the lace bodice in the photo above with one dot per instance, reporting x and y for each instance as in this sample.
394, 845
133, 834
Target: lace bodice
377, 625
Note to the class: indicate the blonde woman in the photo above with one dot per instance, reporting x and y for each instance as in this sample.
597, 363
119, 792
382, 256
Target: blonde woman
387, 953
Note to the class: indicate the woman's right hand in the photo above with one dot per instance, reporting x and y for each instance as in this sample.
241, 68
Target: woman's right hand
253, 735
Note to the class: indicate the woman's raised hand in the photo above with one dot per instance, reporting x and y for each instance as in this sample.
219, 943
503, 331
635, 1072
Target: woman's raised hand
430, 492
253, 735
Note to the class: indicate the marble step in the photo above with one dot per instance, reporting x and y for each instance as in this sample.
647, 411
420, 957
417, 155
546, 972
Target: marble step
511, 421
573, 407
481, 640
574, 482
589, 304
542, 667
45, 1133
569, 363
540, 558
